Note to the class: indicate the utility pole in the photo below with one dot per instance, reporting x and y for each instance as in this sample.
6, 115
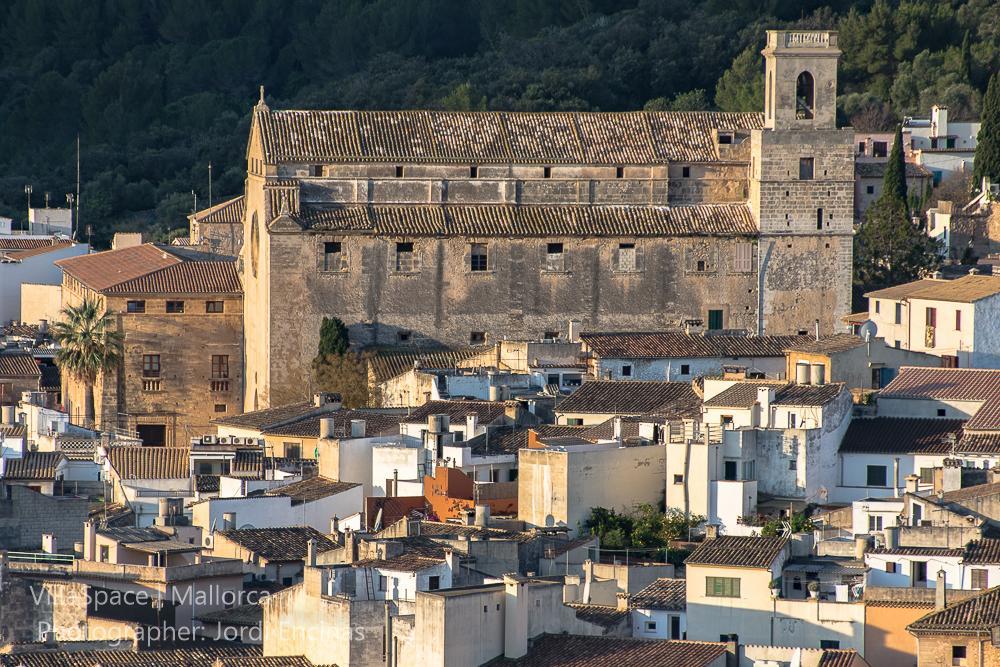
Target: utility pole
195, 195
77, 199
209, 185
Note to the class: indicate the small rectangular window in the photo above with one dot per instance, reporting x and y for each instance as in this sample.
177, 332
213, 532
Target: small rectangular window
870, 189
876, 476
136, 306
678, 479
792, 464
685, 172
626, 371
433, 582
722, 587
473, 171
861, 148
404, 257
175, 306
220, 407
805, 168
819, 218
404, 336
714, 320
574, 421
316, 170
220, 366
878, 306
105, 553
927, 475
619, 172
554, 258
829, 643
890, 567
546, 172
399, 171
685, 369
700, 266
627, 262
980, 579
478, 257
743, 262
899, 313
215, 306
477, 337
382, 582
874, 522
150, 365
958, 320
550, 335
941, 412
333, 256
650, 626
880, 149
725, 138
930, 317
958, 654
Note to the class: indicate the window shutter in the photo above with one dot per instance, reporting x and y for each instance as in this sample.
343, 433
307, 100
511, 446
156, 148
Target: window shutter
639, 265
616, 262
416, 258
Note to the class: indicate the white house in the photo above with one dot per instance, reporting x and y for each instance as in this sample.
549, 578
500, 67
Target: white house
30, 259
658, 610
942, 146
975, 566
952, 319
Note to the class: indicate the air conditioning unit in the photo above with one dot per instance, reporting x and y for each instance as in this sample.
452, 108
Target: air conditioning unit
224, 440
208, 439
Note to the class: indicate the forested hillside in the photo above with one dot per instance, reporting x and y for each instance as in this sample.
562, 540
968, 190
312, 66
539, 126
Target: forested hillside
157, 89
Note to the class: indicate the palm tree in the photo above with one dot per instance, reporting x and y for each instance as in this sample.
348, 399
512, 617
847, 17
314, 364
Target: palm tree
88, 346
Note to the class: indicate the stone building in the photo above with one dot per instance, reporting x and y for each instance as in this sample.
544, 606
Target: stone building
182, 316
416, 227
219, 229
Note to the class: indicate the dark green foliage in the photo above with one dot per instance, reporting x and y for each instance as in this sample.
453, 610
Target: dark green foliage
987, 161
890, 249
894, 180
333, 337
646, 527
158, 89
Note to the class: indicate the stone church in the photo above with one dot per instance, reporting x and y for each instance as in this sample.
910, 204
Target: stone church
460, 227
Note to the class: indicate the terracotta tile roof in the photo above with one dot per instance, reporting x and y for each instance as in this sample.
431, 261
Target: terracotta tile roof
18, 255
495, 137
248, 463
986, 550
229, 212
259, 420
534, 221
40, 466
279, 544
957, 384
841, 342
841, 657
967, 289
744, 394
606, 429
197, 655
559, 430
978, 443
13, 430
737, 551
314, 488
877, 170
935, 552
18, 365
632, 398
206, 483
150, 462
498, 440
246, 615
579, 651
102, 270
669, 345
376, 423
606, 616
23, 243
487, 411
664, 593
441, 529
387, 364
971, 493
974, 615
189, 277
20, 330
902, 435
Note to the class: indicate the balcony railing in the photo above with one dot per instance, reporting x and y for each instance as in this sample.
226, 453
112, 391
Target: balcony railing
220, 385
151, 384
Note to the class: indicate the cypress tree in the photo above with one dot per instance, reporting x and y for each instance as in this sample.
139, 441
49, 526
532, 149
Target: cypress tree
987, 161
894, 180
333, 337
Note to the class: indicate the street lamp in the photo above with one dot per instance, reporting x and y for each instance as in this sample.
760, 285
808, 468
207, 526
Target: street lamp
27, 192
70, 198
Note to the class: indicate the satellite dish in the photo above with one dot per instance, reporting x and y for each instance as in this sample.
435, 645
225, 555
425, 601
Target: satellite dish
867, 330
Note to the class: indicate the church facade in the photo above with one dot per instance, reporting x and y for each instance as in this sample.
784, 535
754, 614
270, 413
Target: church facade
456, 227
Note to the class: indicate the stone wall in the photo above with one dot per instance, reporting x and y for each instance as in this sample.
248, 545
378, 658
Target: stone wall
26, 514
30, 607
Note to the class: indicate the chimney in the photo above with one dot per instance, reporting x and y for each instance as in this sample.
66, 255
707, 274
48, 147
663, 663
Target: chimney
482, 515
358, 428
335, 525
469, 517
326, 428
940, 591
49, 543
912, 481
350, 546
711, 531
860, 547
951, 478
471, 424
573, 331
765, 395
449, 558
733, 651
891, 536
616, 425
43, 327
515, 636
89, 540
229, 521
817, 330
623, 599
311, 552
327, 400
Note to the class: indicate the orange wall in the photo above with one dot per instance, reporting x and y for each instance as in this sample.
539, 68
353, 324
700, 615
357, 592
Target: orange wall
451, 493
886, 640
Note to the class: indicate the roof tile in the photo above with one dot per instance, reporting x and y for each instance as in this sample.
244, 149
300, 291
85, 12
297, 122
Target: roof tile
738, 551
633, 398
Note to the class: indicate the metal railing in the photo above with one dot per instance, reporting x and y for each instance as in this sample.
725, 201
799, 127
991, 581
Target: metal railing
40, 557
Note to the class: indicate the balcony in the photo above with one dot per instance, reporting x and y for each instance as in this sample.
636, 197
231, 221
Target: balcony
151, 384
220, 385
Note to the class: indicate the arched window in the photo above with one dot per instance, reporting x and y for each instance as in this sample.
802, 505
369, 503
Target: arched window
804, 96
254, 244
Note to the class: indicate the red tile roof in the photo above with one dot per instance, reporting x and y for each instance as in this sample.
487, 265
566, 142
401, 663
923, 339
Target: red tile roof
901, 435
669, 345
229, 212
18, 365
841, 657
102, 270
191, 277
580, 651
150, 462
984, 551
18, 243
974, 615
33, 466
957, 384
738, 551
664, 593
279, 544
632, 398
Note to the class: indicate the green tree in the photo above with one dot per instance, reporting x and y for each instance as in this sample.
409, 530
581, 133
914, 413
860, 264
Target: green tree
741, 87
894, 180
890, 249
987, 162
88, 346
333, 337
799, 523
345, 374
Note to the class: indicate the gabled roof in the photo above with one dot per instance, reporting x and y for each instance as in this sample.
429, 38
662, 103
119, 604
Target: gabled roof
259, 420
376, 423
738, 551
279, 544
677, 345
564, 650
18, 255
840, 657
487, 411
974, 615
606, 616
309, 490
102, 270
389, 363
632, 398
664, 593
900, 435
984, 551
244, 615
744, 394
189, 277
497, 440
18, 365
952, 384
150, 462
229, 212
24, 242
526, 221
33, 466
841, 342
971, 493
967, 289
502, 137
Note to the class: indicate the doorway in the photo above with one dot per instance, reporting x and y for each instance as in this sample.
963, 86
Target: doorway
152, 435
